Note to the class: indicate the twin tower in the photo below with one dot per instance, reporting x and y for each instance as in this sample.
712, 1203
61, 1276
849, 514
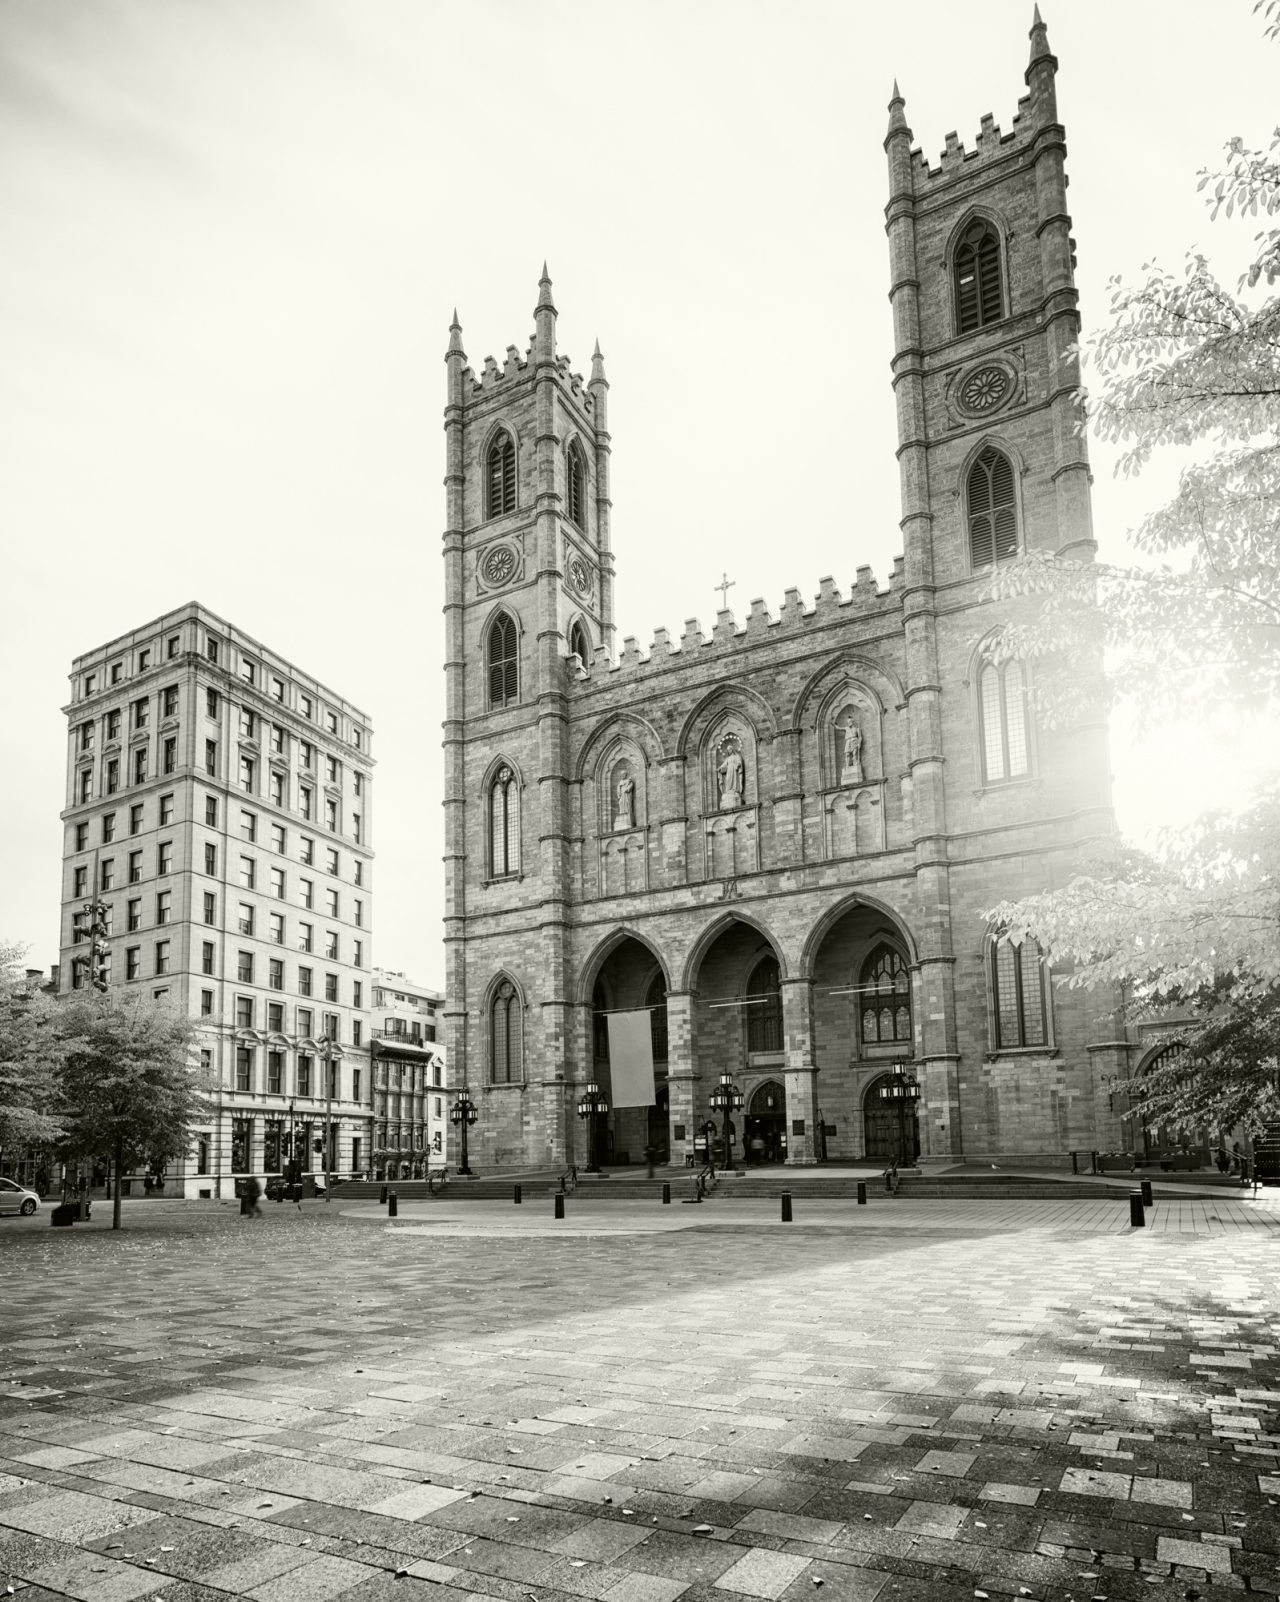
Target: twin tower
778, 839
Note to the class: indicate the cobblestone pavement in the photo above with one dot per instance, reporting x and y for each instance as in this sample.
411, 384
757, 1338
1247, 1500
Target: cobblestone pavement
891, 1402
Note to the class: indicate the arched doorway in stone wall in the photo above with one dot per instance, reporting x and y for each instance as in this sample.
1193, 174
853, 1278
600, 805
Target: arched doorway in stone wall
891, 1129
630, 978
766, 1122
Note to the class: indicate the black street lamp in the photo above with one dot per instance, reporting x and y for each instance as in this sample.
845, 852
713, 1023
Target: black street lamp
462, 1115
590, 1107
903, 1090
727, 1098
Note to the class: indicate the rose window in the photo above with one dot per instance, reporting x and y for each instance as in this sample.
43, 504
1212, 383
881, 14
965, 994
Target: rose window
500, 564
984, 389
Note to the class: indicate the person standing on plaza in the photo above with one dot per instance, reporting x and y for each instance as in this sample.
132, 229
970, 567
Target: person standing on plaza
253, 1190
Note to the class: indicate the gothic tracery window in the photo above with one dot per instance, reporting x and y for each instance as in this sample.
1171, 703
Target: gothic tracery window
578, 644
576, 485
1003, 715
500, 476
506, 1037
884, 997
764, 1010
504, 824
992, 510
979, 297
504, 662
1018, 995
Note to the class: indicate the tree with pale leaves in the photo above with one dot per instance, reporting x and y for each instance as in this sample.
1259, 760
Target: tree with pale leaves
32, 1050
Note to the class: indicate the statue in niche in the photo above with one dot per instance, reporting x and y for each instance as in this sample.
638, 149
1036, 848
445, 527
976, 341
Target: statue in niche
851, 763
624, 816
733, 778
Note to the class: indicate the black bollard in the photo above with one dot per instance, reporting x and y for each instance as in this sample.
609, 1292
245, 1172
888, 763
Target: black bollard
391, 1204
1137, 1218
518, 1197
666, 1193
559, 1201
1075, 1164
786, 1207
382, 1197
1147, 1199
862, 1193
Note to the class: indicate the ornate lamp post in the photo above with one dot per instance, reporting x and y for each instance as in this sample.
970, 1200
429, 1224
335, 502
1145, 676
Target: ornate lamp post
462, 1115
903, 1090
727, 1098
590, 1107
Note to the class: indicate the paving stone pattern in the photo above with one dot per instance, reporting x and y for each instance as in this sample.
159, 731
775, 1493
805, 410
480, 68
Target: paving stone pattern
318, 1406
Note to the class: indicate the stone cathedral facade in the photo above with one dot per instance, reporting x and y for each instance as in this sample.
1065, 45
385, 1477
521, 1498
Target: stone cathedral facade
781, 837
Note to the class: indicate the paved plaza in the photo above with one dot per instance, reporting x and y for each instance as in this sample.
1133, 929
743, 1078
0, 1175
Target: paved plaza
911, 1400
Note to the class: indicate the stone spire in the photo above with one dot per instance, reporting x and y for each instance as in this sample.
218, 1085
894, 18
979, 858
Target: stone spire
455, 337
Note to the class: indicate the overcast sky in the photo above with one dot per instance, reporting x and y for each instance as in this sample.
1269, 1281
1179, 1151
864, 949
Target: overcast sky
232, 233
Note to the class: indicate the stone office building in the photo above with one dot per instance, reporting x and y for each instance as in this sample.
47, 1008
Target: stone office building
780, 837
219, 806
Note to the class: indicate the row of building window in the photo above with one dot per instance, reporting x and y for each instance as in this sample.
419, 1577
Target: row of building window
273, 1079
285, 1140
501, 480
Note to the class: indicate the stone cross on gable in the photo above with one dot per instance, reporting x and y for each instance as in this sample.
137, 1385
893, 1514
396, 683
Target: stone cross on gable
724, 586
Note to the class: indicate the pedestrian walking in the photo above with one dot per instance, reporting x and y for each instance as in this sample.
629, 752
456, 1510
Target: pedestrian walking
253, 1192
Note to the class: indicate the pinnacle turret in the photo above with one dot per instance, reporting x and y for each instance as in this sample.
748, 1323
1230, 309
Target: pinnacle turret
544, 290
455, 336
597, 366
897, 114
1040, 50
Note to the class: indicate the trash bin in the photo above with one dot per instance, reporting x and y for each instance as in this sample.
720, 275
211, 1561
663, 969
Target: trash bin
63, 1215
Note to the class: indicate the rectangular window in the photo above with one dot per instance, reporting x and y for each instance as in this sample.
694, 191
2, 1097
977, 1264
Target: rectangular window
277, 789
248, 670
304, 800
357, 1039
164, 906
244, 1082
307, 706
331, 815
108, 828
277, 928
306, 893
206, 1003
359, 873
357, 993
279, 740
279, 839
133, 962
358, 737
244, 1012
331, 900
140, 766
113, 776
133, 914
247, 771
164, 862
357, 956
277, 883
91, 683
333, 862
357, 828
210, 859
144, 660
113, 724
85, 791
161, 994
210, 907
304, 983
275, 974
357, 783
248, 826
277, 689
211, 703
331, 987
244, 967
169, 755
306, 936
358, 914
173, 646
248, 872
244, 922
306, 850
108, 873
331, 944
331, 722
117, 668
135, 818
331, 1026
162, 956
140, 713
206, 956
304, 1085
211, 648
169, 701
211, 757
332, 772
306, 1022
246, 723
275, 1017
211, 811
435, 1080
166, 808
275, 1074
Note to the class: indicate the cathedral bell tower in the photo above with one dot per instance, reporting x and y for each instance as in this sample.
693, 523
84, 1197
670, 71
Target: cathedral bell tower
528, 604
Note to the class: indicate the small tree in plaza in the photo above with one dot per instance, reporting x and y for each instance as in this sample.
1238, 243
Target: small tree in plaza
1193, 929
31, 1053
130, 1090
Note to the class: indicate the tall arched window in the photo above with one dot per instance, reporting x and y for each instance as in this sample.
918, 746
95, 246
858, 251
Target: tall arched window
992, 508
504, 824
1017, 987
576, 485
884, 997
504, 661
656, 1001
979, 300
579, 645
506, 1039
764, 1010
1005, 722
500, 476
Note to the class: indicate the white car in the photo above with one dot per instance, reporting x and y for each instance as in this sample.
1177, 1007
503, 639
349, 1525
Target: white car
17, 1198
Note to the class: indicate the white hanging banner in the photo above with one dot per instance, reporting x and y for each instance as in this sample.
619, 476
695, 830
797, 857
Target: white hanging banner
631, 1058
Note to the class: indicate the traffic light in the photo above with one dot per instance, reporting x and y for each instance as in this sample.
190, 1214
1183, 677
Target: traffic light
317, 1145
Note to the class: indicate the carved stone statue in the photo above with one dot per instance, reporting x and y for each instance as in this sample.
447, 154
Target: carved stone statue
624, 816
851, 771
733, 777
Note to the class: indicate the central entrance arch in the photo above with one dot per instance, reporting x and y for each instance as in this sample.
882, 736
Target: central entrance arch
766, 1121
891, 1129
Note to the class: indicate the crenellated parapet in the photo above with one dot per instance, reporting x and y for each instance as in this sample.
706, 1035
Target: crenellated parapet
515, 366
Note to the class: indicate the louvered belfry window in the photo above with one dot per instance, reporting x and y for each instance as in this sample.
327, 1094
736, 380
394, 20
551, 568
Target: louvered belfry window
978, 297
500, 477
577, 487
504, 665
993, 518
